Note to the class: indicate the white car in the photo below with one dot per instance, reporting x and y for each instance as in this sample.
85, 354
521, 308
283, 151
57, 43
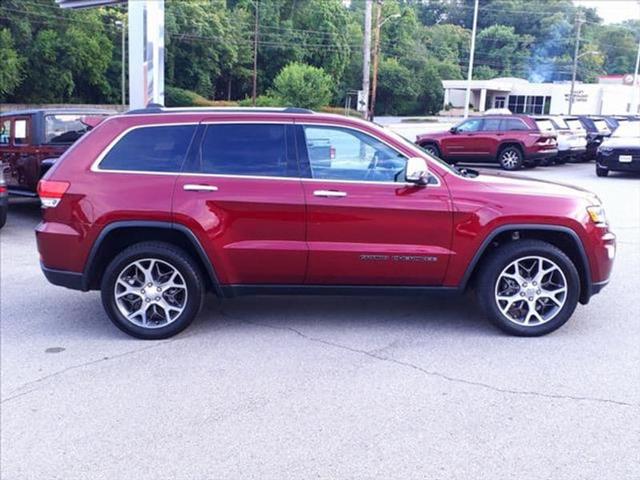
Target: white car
572, 137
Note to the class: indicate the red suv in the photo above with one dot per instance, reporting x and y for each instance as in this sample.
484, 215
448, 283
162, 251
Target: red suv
513, 141
157, 207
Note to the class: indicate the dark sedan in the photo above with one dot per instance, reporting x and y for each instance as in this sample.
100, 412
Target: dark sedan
621, 151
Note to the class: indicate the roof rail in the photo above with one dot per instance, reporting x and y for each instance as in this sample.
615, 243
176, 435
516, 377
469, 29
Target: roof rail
156, 108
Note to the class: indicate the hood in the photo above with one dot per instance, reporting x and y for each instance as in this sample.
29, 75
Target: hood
621, 142
439, 134
514, 184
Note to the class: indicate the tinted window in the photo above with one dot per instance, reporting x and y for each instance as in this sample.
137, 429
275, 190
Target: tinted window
20, 132
512, 124
344, 154
470, 125
246, 149
5, 129
150, 149
491, 124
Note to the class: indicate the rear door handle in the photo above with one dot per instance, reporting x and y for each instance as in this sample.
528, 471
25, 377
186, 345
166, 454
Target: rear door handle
194, 187
329, 193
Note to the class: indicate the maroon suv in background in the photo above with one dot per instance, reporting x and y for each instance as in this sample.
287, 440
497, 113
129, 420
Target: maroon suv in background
513, 141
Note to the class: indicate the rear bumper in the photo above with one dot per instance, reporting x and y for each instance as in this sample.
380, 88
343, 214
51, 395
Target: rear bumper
542, 154
63, 278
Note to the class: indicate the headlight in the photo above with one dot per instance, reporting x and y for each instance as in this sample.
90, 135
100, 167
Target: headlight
596, 214
605, 150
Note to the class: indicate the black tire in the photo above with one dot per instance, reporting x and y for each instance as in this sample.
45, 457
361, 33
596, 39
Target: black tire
167, 254
560, 160
3, 216
498, 260
511, 158
432, 149
601, 171
546, 162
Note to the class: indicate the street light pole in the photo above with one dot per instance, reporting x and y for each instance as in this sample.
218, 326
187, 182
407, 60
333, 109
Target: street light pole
579, 21
256, 5
366, 60
471, 55
376, 55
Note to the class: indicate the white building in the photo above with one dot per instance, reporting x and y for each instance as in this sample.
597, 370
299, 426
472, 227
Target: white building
521, 96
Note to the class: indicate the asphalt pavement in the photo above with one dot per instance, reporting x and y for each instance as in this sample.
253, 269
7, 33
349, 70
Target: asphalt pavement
321, 387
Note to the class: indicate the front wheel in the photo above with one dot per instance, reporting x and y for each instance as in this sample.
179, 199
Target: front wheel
601, 171
432, 150
528, 288
152, 290
510, 158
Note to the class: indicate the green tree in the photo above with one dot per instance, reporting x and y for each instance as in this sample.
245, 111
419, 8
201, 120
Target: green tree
502, 49
301, 85
11, 71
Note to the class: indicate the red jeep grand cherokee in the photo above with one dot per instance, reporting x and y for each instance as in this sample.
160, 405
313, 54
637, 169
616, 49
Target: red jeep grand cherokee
513, 141
157, 207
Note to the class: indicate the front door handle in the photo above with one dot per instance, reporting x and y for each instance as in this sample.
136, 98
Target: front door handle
329, 193
194, 187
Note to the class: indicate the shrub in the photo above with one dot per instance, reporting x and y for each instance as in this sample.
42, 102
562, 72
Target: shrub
262, 101
178, 97
302, 85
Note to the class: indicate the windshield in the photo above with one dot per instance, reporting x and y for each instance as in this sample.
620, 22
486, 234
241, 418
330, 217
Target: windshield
601, 125
545, 125
575, 125
627, 129
560, 122
65, 128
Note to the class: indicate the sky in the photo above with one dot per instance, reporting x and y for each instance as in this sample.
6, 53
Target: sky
613, 11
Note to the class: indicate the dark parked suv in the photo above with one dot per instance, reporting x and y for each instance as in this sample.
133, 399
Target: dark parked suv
157, 207
513, 141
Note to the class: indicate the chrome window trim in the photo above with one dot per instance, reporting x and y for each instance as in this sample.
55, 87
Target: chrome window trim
95, 166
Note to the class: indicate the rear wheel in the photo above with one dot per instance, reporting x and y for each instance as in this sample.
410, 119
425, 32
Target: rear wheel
601, 171
510, 158
152, 290
3, 216
528, 288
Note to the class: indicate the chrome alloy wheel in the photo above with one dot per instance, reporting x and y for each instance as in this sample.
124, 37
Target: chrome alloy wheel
531, 291
150, 293
431, 151
510, 159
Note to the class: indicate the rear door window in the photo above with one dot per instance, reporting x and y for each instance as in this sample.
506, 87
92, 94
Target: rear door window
150, 149
514, 124
247, 150
21, 131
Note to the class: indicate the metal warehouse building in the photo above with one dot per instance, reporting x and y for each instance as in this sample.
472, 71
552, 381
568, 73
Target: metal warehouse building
613, 95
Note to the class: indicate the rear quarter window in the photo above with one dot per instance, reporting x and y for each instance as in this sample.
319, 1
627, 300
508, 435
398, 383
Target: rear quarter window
150, 149
514, 124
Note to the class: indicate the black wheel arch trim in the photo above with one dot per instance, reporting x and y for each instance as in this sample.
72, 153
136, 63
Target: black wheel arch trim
89, 270
585, 292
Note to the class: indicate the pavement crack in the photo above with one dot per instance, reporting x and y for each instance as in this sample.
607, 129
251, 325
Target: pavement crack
13, 394
377, 356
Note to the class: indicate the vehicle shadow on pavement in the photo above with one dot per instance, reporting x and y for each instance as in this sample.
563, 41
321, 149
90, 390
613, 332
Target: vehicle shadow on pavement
431, 313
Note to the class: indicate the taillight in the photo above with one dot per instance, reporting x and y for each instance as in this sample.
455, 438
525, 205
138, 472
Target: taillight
3, 189
51, 192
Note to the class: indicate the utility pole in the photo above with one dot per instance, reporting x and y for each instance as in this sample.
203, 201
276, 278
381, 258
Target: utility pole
579, 22
122, 70
256, 5
634, 91
366, 60
376, 55
471, 55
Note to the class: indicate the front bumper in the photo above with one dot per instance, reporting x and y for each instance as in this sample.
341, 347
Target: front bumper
612, 162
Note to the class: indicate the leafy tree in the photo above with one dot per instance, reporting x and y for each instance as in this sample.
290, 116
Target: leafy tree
397, 91
301, 85
483, 72
503, 50
11, 72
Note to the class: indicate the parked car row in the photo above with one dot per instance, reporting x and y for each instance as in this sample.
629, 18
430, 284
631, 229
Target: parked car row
517, 141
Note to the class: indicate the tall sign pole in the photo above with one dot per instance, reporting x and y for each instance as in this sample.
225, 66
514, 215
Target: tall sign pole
472, 52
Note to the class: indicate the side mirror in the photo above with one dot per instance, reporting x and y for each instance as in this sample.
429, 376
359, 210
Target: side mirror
453, 130
417, 171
